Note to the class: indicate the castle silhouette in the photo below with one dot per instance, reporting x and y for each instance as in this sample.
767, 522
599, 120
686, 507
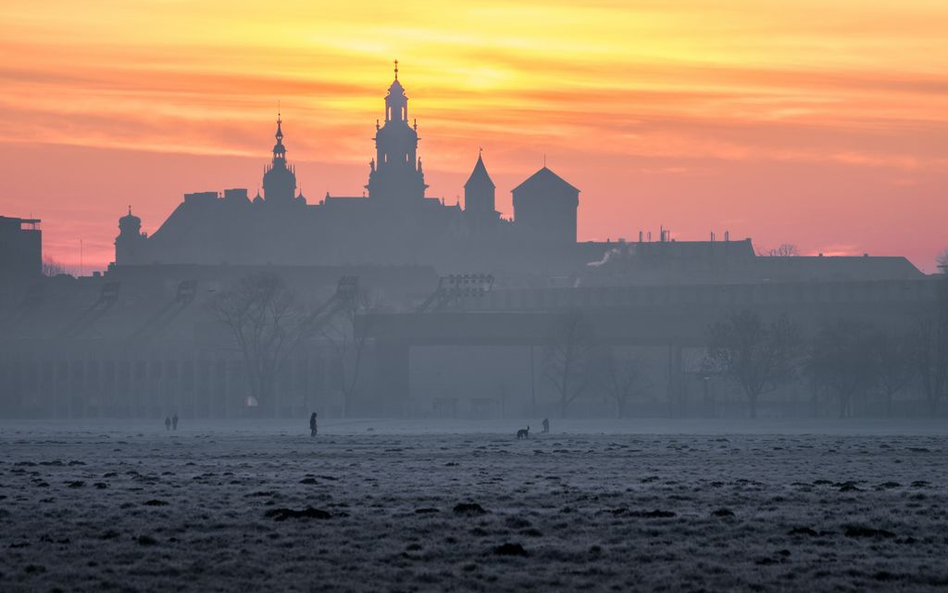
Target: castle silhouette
393, 222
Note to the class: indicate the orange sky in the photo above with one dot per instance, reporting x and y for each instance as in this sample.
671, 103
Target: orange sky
795, 122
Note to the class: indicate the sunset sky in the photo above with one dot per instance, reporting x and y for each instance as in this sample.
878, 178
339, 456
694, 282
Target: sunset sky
822, 123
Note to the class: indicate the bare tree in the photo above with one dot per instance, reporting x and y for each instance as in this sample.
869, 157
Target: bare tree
783, 250
892, 363
624, 377
757, 356
931, 348
842, 360
570, 358
348, 339
941, 260
262, 315
52, 267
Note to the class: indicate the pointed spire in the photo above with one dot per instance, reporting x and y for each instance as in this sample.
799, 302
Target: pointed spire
396, 88
479, 175
279, 151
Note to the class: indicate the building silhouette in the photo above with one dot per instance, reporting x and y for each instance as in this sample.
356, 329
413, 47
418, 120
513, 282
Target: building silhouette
139, 341
479, 193
545, 207
130, 243
21, 248
279, 178
392, 222
396, 177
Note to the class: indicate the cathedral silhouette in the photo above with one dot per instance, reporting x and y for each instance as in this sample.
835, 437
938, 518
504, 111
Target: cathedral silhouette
393, 222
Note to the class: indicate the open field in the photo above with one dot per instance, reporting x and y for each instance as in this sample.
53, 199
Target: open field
404, 506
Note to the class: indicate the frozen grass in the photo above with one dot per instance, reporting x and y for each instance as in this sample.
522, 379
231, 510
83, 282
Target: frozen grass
402, 506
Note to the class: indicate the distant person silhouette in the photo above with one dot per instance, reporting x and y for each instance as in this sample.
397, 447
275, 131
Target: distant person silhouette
312, 425
546, 425
174, 421
167, 423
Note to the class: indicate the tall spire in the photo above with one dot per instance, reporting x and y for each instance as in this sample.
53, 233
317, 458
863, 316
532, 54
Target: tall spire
279, 179
279, 151
397, 175
396, 102
479, 176
479, 191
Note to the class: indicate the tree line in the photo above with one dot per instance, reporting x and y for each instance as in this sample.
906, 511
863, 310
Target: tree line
843, 362
268, 322
846, 360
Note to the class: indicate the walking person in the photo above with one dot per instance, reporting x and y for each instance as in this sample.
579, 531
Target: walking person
167, 423
174, 421
312, 425
546, 425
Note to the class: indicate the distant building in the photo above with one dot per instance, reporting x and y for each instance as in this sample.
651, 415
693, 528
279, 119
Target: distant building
396, 176
140, 341
394, 222
130, 243
21, 248
479, 195
704, 262
279, 178
545, 208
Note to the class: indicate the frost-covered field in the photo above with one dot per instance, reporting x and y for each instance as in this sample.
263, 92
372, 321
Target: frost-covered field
596, 506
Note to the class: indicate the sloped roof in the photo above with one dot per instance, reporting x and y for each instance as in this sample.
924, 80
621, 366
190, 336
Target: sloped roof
543, 181
479, 175
396, 88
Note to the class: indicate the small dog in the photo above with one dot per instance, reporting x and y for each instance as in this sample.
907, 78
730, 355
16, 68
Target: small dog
523, 433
